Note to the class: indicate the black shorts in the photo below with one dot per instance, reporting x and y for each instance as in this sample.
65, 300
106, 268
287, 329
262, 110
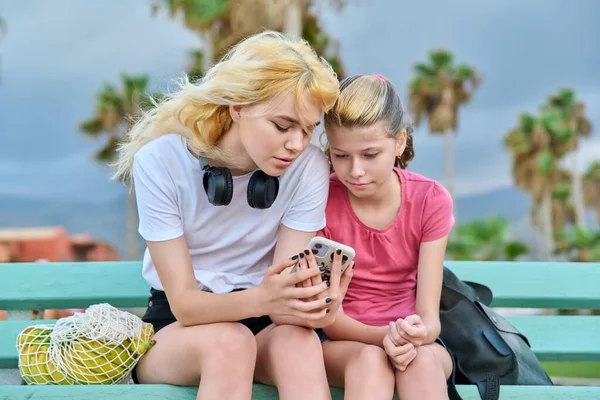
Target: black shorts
159, 314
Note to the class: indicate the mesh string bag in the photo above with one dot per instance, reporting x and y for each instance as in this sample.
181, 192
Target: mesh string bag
99, 346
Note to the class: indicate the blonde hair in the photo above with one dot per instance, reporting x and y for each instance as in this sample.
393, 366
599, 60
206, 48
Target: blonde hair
253, 71
366, 100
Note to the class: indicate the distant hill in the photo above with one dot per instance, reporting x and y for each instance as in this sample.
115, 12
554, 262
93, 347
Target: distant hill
106, 221
510, 203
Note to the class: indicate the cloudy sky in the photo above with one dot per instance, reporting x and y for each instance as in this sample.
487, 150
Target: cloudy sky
57, 54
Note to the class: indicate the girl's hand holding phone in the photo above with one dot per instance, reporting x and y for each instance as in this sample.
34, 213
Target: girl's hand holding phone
337, 284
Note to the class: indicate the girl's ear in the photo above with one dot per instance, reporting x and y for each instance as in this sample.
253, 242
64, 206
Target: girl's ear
235, 113
401, 143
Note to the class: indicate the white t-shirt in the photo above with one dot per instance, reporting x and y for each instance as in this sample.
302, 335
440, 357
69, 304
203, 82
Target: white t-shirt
231, 246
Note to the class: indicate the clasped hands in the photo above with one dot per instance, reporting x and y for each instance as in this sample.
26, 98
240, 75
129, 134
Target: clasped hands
403, 338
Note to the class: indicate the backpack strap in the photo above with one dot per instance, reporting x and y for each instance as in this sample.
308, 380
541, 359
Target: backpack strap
451, 383
489, 389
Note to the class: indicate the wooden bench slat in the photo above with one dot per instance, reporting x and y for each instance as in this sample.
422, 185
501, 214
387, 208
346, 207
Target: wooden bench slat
262, 392
553, 338
569, 285
561, 338
29, 286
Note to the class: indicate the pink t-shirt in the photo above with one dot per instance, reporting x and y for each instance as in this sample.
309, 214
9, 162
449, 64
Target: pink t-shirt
384, 285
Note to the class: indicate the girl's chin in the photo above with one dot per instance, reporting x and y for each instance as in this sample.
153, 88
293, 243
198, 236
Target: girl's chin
360, 191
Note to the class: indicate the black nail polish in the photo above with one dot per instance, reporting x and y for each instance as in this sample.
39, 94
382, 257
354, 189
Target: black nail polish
295, 257
326, 310
338, 251
328, 300
315, 251
322, 268
344, 259
306, 252
328, 283
301, 255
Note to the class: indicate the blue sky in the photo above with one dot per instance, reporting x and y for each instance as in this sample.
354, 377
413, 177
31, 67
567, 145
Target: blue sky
57, 54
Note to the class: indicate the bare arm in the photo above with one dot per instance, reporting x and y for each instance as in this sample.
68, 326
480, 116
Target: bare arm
429, 285
347, 328
291, 242
192, 306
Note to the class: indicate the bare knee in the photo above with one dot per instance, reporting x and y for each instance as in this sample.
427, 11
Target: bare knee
295, 340
371, 361
371, 357
224, 350
424, 362
230, 344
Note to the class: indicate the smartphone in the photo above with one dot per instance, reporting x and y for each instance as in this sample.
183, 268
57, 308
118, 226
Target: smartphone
324, 250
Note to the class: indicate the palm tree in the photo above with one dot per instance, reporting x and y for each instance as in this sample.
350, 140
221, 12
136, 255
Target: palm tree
293, 26
3, 30
195, 65
324, 45
222, 24
537, 145
436, 92
581, 244
202, 16
563, 212
485, 240
591, 188
528, 144
573, 123
114, 115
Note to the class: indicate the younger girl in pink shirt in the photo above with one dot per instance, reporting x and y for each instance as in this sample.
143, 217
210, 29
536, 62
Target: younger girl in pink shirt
386, 333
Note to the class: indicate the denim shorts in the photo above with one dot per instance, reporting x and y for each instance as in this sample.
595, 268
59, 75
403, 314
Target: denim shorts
159, 314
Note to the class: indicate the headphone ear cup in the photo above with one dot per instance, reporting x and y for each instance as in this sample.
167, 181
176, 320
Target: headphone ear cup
218, 185
262, 190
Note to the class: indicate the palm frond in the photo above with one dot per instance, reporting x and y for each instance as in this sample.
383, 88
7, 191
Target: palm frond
527, 122
545, 162
565, 98
424, 70
92, 127
515, 249
593, 172
484, 240
441, 59
198, 15
107, 153
464, 72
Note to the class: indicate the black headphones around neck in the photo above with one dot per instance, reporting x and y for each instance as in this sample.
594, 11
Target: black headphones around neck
218, 185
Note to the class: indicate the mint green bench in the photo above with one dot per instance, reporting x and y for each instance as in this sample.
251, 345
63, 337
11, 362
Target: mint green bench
31, 286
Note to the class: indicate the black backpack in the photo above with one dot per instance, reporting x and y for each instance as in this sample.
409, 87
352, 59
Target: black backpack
487, 350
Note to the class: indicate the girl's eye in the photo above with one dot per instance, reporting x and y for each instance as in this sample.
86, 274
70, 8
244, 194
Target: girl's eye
281, 128
340, 155
371, 155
